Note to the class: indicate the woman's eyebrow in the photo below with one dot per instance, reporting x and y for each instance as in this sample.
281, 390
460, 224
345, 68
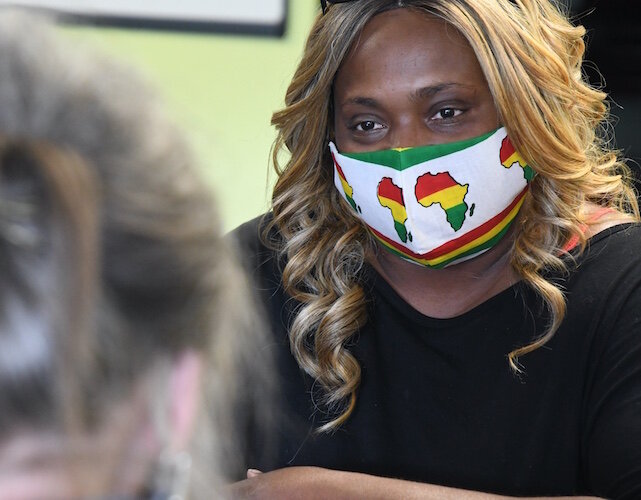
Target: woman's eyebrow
432, 90
416, 95
370, 102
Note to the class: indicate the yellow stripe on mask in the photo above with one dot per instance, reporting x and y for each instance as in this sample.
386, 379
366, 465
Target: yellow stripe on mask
447, 198
398, 211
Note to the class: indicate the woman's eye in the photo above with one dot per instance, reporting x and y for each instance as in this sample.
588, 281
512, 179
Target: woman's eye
447, 114
367, 125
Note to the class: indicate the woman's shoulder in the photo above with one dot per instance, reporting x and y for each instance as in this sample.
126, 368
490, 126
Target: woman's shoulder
248, 238
250, 233
600, 219
615, 240
249, 241
609, 266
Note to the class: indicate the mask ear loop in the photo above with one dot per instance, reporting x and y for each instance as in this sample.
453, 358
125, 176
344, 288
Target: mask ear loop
170, 475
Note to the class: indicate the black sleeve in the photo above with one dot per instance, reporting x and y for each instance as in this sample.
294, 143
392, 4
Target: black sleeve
612, 438
255, 414
246, 241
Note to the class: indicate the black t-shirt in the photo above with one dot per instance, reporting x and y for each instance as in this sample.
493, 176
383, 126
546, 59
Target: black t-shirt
438, 402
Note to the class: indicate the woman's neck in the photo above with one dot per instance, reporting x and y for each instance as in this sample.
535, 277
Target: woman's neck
454, 290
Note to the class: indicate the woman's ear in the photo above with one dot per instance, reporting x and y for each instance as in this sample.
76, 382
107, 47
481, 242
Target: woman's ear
185, 381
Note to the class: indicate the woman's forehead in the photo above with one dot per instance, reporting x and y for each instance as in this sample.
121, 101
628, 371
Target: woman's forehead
408, 48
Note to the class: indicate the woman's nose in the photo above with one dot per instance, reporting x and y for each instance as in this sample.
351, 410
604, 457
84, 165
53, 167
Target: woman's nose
411, 132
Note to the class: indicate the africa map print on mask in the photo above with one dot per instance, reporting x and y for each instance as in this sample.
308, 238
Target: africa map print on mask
440, 204
450, 195
391, 196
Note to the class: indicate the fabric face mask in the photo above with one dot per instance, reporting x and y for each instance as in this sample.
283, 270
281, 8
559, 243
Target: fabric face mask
440, 204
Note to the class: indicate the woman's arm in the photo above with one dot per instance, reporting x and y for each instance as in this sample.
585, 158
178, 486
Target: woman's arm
312, 483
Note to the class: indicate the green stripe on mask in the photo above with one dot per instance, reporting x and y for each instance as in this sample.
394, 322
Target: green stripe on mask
400, 160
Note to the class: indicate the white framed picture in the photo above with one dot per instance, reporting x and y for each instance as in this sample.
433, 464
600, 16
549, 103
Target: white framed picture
260, 17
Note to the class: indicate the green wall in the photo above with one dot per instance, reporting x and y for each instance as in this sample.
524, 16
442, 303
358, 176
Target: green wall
222, 89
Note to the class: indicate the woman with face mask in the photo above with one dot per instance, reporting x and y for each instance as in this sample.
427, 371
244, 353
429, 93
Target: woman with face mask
126, 330
452, 258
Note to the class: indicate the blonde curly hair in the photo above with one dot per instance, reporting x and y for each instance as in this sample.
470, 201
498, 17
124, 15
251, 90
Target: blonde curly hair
532, 58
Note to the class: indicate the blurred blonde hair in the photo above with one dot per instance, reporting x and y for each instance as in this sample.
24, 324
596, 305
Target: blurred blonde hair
531, 56
112, 258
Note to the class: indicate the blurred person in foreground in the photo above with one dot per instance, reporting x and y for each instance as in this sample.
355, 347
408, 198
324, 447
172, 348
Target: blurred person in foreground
126, 334
452, 262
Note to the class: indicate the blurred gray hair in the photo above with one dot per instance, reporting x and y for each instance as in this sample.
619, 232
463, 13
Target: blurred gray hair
110, 251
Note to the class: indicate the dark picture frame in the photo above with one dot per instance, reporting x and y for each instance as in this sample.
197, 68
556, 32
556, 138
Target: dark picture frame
235, 17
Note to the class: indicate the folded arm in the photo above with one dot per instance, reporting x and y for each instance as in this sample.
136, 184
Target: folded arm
312, 483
